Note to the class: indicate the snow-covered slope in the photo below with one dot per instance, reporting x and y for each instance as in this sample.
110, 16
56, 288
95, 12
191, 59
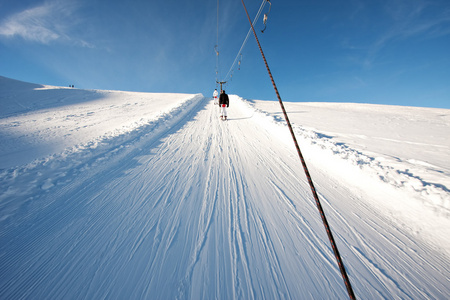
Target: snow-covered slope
41, 120
125, 195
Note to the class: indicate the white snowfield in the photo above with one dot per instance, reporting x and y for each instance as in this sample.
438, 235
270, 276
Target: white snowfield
121, 195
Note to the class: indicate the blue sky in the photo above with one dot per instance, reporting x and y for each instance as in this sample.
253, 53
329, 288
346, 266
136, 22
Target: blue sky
378, 51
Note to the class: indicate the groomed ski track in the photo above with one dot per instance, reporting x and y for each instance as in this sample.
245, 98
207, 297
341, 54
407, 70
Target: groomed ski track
197, 208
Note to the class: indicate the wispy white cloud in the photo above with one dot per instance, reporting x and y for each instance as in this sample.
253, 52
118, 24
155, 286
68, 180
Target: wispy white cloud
45, 23
409, 19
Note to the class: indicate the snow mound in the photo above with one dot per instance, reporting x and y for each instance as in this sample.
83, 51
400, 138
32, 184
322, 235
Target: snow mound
429, 181
37, 121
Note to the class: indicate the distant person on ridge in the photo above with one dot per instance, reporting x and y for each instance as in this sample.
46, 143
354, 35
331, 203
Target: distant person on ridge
224, 102
215, 94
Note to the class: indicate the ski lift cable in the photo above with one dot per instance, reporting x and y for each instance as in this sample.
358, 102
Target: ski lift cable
216, 48
308, 175
264, 2
217, 23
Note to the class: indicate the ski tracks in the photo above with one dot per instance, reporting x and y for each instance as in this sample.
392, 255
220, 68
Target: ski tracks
205, 209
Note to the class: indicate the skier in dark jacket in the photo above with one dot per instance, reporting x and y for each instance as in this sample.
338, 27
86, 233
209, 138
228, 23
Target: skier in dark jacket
224, 102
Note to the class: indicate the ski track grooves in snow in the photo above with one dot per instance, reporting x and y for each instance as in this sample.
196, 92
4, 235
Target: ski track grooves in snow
191, 207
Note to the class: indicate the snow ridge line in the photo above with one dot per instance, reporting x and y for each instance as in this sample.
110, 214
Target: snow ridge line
435, 194
57, 169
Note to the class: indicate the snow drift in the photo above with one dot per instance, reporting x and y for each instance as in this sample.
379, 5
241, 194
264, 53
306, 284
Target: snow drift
109, 194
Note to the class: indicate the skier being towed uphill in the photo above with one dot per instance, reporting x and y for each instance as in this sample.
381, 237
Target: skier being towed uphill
215, 94
224, 102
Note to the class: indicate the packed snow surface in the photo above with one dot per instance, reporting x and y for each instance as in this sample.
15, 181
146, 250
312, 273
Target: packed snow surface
122, 195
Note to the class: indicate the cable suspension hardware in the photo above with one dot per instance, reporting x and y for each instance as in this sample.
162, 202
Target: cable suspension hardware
239, 54
266, 16
216, 49
313, 190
